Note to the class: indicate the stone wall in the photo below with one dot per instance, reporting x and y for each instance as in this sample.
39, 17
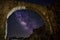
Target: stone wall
47, 15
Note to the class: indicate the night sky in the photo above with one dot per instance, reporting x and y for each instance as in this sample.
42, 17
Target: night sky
40, 2
22, 22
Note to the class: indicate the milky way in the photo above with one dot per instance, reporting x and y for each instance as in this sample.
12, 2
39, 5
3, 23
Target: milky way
22, 22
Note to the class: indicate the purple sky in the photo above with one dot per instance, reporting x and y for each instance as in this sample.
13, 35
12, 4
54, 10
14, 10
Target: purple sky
22, 22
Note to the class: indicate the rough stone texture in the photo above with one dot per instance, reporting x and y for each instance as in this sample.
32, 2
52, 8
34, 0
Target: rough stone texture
47, 15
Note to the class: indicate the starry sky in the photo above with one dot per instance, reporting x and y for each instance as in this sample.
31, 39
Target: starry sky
22, 22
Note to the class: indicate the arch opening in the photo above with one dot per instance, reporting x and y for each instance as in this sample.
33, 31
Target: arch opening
21, 22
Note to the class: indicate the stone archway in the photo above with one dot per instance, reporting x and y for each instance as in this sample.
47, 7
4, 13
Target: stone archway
31, 23
45, 13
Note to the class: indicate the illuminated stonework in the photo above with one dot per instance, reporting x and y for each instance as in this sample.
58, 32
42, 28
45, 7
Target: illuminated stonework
47, 16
